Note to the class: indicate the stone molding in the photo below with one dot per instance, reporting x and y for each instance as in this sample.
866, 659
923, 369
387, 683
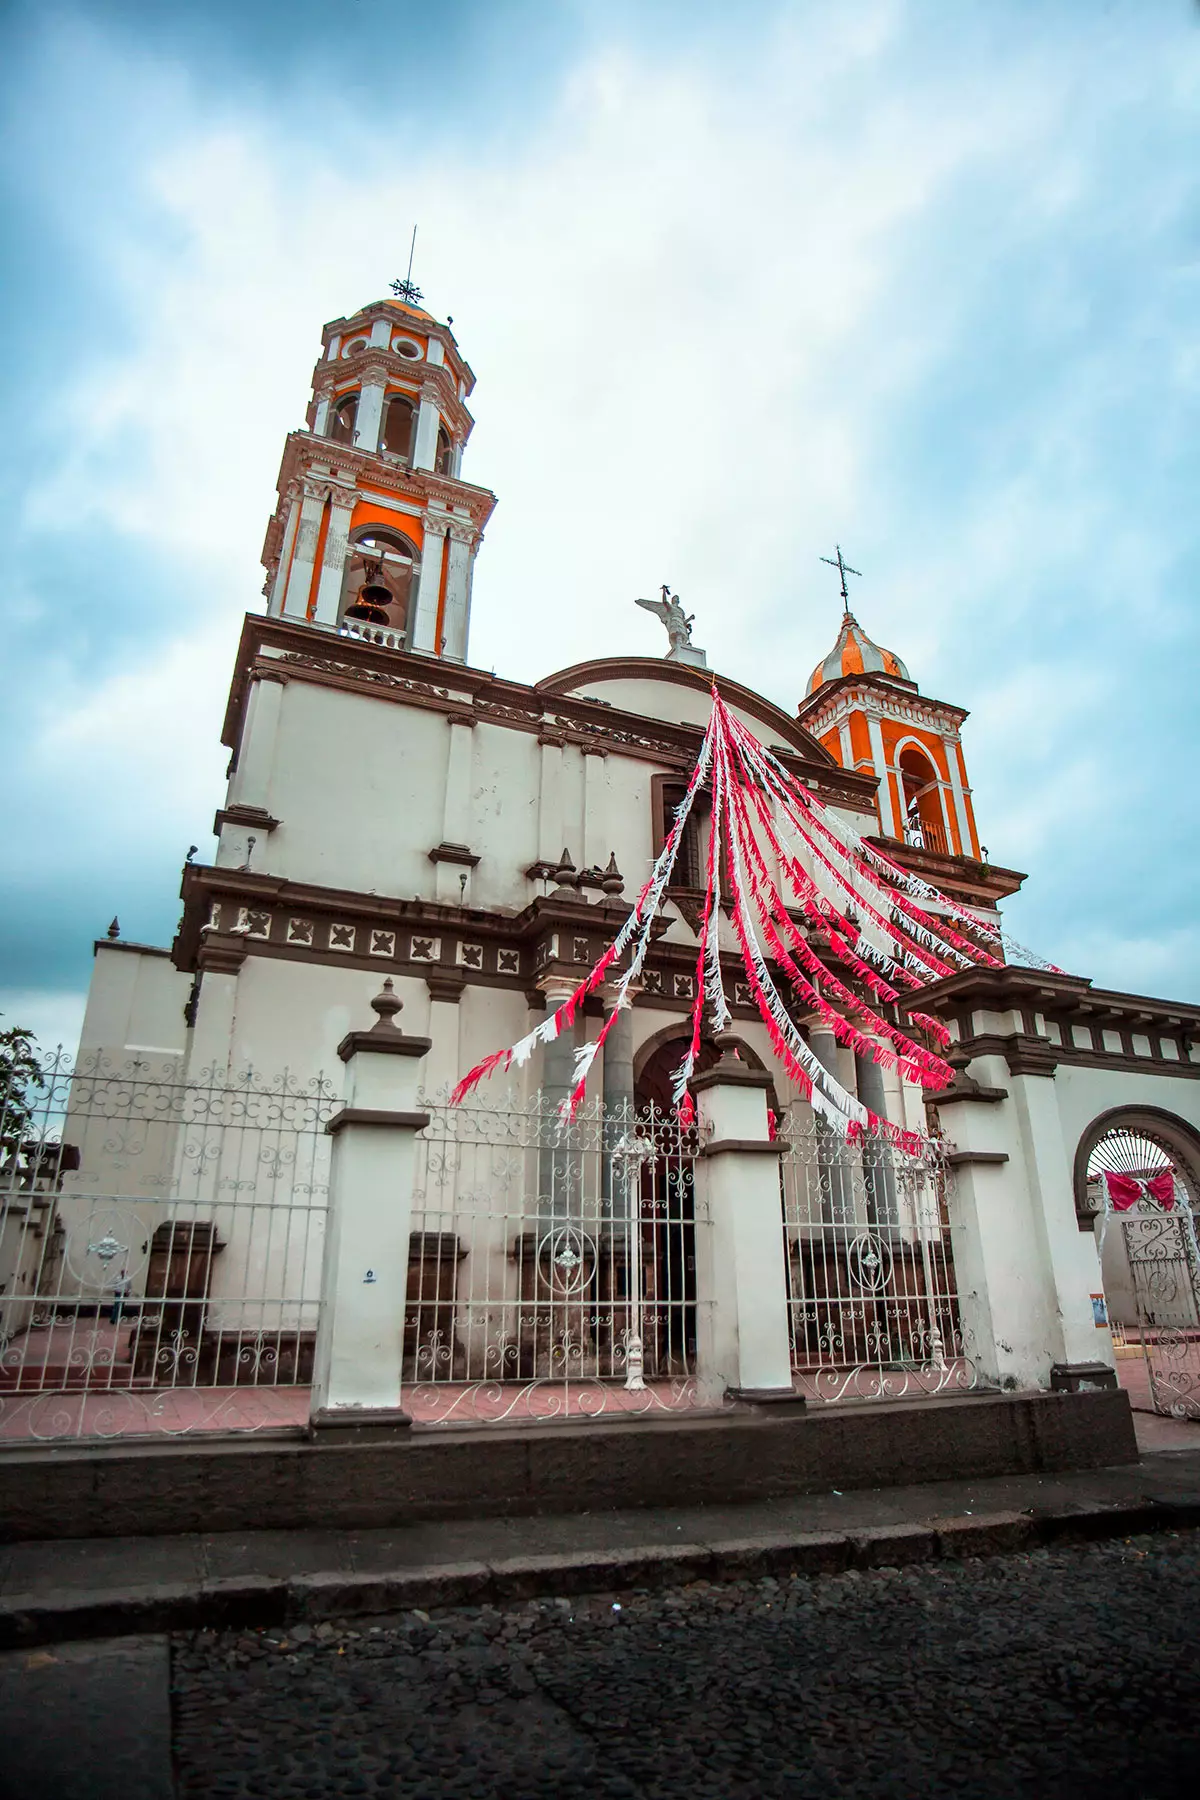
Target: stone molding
369, 1115
256, 816
353, 664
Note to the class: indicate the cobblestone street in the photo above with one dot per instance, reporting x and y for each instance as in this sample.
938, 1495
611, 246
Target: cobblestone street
1066, 1672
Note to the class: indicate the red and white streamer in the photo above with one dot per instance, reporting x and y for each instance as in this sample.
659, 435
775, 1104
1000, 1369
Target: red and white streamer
889, 929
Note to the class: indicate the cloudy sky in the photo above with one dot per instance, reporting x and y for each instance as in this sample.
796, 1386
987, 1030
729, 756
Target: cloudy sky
738, 283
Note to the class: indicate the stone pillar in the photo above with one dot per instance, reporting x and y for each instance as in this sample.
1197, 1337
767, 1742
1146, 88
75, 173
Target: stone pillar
557, 1184
456, 816
878, 1174
250, 783
550, 798
364, 1277
428, 420
458, 569
596, 838
299, 581
422, 628
887, 812
369, 417
222, 953
321, 416
275, 602
1025, 1269
333, 560
618, 1106
837, 1187
741, 1275
445, 997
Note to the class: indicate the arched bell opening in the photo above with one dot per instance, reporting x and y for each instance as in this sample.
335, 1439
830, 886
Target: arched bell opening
923, 821
381, 572
343, 419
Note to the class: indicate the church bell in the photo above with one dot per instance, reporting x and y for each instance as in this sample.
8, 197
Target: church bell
372, 599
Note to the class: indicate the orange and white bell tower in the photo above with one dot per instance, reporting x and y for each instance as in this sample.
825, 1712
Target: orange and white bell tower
375, 533
867, 711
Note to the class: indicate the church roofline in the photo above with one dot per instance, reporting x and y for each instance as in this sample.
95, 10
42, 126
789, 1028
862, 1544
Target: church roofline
888, 684
286, 649
656, 668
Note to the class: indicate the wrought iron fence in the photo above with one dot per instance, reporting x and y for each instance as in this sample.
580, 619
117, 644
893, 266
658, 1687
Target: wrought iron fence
873, 1300
1164, 1267
160, 1249
553, 1266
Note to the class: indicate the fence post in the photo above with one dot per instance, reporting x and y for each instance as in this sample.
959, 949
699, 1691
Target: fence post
744, 1346
364, 1276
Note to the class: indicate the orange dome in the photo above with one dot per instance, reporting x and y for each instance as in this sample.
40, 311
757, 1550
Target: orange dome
855, 654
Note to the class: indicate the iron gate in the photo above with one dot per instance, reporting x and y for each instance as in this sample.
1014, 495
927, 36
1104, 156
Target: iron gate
552, 1265
872, 1294
1164, 1267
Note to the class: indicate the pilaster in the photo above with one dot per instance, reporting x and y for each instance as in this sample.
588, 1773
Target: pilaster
422, 636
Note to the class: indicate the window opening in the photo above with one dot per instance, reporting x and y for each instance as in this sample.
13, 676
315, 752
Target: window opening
343, 418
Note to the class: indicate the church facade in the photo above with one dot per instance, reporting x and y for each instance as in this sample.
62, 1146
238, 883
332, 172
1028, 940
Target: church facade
392, 811
395, 815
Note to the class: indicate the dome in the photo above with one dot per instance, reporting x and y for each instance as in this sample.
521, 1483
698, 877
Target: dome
855, 654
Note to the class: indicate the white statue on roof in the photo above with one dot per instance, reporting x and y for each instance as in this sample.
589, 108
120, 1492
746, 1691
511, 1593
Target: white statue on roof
678, 626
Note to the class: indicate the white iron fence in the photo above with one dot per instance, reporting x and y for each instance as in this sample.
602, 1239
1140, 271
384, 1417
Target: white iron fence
873, 1299
160, 1249
552, 1266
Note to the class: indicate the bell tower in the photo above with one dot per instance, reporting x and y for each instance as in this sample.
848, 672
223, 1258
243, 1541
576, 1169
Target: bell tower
375, 532
869, 714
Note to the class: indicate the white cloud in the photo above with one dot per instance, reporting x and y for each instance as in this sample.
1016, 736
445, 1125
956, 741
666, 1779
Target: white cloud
707, 294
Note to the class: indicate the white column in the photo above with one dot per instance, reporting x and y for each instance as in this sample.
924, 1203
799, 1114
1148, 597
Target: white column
422, 630
596, 837
435, 354
960, 799
470, 592
250, 783
275, 603
887, 814
321, 416
458, 570
381, 332
428, 420
210, 1042
550, 801
1025, 1271
744, 1346
333, 561
456, 810
369, 417
364, 1277
445, 1011
295, 603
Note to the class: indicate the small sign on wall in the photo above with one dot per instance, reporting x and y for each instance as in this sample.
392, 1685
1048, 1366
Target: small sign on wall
1099, 1311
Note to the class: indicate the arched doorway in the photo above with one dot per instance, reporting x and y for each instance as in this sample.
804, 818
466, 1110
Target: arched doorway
1137, 1172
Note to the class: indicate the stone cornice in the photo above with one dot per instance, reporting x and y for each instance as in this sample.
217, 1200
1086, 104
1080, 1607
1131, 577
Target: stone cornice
229, 914
378, 362
341, 465
417, 324
300, 651
910, 709
889, 695
1055, 1019
962, 877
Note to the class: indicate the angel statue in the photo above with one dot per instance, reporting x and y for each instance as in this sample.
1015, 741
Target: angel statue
678, 623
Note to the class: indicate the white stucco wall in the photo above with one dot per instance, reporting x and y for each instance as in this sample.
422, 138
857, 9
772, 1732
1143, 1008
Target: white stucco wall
135, 1003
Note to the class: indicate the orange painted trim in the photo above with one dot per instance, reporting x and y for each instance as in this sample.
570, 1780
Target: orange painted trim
441, 611
367, 514
318, 562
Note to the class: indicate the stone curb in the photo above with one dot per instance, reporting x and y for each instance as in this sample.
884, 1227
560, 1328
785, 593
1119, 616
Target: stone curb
245, 1601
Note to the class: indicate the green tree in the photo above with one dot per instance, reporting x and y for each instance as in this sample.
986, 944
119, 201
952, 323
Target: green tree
20, 1079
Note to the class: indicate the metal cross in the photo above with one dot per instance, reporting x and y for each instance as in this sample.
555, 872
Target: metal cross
843, 568
408, 289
